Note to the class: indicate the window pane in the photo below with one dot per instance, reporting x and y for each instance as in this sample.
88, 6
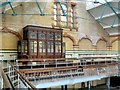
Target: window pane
40, 47
33, 35
50, 36
64, 18
52, 49
64, 7
48, 47
57, 36
31, 47
55, 6
58, 47
41, 35
35, 46
26, 49
55, 17
72, 16
44, 47
22, 47
55, 11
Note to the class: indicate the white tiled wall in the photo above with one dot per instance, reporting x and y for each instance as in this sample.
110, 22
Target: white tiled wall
7, 55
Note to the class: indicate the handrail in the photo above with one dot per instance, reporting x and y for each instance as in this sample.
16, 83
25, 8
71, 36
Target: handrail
93, 51
5, 80
41, 59
10, 82
33, 87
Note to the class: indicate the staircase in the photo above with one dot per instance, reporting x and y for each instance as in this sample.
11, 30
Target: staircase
12, 77
15, 78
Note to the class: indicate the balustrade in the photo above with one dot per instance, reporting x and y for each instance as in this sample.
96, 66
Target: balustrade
17, 79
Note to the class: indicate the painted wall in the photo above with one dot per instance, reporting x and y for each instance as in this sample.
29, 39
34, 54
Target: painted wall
116, 45
9, 41
69, 43
0, 40
85, 44
87, 26
102, 45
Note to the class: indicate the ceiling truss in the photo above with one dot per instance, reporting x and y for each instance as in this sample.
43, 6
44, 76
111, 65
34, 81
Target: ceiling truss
41, 10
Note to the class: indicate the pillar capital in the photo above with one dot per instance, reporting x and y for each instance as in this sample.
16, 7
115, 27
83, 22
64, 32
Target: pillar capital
109, 47
75, 47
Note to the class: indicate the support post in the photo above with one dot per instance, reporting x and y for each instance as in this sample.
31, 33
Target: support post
108, 83
31, 63
64, 87
44, 63
17, 66
1, 56
83, 85
88, 85
1, 78
56, 62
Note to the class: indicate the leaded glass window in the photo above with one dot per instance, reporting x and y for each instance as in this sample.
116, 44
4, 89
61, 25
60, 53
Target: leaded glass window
41, 35
33, 35
31, 46
57, 36
35, 46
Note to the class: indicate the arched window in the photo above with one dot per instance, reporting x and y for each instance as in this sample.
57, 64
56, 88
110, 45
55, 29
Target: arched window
64, 16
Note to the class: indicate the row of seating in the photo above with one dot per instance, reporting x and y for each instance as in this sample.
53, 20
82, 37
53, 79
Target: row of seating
50, 71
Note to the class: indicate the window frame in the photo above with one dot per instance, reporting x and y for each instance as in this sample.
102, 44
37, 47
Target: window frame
71, 17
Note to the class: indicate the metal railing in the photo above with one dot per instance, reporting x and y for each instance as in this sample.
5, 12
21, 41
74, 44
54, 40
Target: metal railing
58, 77
4, 83
102, 71
40, 77
92, 52
21, 80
